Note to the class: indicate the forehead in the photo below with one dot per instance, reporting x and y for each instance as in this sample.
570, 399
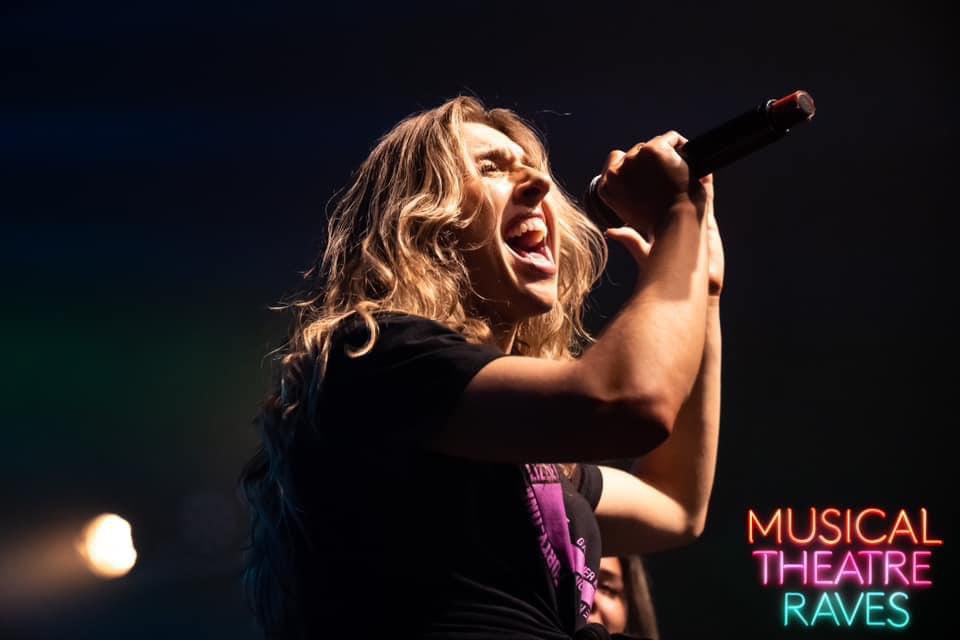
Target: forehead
480, 138
611, 566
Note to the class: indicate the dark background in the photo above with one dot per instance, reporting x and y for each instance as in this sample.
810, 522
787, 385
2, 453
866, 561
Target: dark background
165, 168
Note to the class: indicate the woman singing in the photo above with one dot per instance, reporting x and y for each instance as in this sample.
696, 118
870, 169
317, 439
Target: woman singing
425, 468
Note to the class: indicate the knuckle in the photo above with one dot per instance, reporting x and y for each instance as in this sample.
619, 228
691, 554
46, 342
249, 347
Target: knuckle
660, 151
613, 158
603, 187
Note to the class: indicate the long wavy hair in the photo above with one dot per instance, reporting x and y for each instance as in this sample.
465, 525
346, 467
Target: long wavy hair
392, 245
641, 614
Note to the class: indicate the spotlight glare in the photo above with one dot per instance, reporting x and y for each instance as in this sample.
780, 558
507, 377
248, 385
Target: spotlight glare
106, 546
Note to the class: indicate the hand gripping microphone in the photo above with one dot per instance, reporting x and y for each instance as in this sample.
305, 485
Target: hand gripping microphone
723, 145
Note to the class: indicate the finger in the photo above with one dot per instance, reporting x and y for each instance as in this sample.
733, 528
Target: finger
671, 139
614, 160
635, 148
669, 145
706, 182
635, 243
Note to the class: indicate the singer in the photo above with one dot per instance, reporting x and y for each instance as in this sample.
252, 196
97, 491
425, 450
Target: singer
429, 453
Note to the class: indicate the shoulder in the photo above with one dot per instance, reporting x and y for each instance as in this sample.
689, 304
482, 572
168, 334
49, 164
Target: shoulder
403, 349
392, 329
411, 375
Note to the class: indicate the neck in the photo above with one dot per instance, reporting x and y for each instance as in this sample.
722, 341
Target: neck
504, 335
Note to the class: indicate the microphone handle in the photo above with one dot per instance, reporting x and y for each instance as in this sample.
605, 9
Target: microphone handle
723, 145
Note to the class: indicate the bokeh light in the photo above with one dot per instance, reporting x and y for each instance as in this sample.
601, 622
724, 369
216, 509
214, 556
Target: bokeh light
106, 545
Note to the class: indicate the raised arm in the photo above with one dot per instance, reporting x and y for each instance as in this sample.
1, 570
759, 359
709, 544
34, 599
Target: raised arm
622, 397
663, 501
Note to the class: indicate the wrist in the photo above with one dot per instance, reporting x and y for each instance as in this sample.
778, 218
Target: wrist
683, 206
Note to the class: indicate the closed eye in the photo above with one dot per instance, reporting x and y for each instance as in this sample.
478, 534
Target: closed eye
498, 161
610, 591
486, 165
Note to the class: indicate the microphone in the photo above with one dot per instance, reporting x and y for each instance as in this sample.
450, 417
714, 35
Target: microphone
723, 145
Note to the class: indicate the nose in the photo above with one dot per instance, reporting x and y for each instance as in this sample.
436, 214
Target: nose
594, 612
532, 187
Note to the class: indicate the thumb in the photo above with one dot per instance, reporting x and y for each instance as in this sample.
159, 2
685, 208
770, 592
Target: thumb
635, 243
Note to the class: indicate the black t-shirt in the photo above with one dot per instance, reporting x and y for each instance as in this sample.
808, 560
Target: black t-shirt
408, 543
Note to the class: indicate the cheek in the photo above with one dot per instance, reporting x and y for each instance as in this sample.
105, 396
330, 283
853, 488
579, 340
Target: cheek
481, 251
614, 613
481, 231
484, 219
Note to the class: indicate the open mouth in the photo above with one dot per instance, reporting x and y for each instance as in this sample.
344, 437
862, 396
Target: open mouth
528, 240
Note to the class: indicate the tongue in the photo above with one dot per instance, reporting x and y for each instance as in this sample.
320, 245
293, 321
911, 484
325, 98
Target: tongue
536, 256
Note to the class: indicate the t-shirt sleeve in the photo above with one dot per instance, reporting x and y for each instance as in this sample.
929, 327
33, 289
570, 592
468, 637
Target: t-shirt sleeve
407, 386
589, 483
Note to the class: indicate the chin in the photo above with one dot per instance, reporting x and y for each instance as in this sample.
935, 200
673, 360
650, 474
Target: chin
509, 295
534, 301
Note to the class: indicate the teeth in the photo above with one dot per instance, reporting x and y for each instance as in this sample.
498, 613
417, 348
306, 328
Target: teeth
530, 224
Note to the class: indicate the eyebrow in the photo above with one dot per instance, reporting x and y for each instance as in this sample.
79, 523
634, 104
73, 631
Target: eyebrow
609, 575
502, 152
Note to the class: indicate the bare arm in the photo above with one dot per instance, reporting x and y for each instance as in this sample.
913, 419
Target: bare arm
622, 396
684, 465
664, 503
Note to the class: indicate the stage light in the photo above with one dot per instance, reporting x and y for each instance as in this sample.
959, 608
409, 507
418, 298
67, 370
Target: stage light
106, 545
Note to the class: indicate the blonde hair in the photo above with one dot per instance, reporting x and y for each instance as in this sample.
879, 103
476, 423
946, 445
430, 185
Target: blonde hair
392, 241
393, 246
